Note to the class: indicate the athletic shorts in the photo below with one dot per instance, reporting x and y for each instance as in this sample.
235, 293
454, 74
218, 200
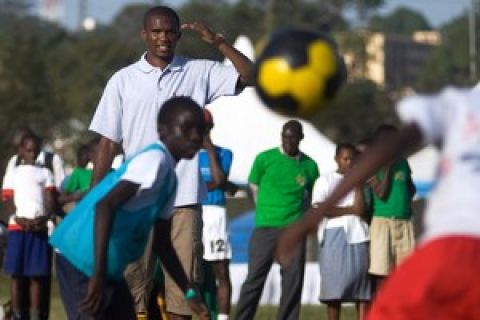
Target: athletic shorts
28, 254
439, 280
391, 241
216, 245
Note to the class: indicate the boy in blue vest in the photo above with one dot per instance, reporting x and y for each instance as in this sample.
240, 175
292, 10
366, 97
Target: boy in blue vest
122, 214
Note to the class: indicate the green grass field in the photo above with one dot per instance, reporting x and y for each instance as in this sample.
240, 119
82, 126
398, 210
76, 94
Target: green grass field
309, 312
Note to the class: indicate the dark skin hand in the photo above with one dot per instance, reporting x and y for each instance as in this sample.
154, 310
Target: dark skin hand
162, 246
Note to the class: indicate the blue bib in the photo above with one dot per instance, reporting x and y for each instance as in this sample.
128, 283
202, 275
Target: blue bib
74, 236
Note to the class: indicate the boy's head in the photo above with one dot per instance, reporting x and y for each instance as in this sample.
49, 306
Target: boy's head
30, 148
181, 127
83, 155
344, 156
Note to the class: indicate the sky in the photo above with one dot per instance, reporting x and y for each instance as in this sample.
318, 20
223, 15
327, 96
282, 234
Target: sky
436, 11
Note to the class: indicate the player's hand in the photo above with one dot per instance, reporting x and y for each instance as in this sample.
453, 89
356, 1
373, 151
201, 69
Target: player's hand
198, 307
295, 234
92, 302
202, 30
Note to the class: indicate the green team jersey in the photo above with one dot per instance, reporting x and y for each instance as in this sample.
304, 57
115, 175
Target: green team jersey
79, 180
397, 203
283, 183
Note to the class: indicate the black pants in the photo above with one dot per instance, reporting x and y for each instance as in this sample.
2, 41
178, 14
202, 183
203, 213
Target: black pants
260, 259
73, 285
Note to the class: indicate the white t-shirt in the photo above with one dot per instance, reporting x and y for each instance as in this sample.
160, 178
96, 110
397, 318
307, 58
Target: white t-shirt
57, 164
150, 181
355, 228
28, 184
127, 111
450, 120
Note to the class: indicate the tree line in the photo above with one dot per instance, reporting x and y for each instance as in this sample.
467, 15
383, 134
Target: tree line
51, 78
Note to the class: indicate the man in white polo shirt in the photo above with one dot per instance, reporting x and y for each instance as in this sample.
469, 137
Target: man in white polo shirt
126, 114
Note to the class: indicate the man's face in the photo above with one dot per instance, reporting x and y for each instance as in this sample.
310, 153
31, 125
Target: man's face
291, 137
185, 136
161, 34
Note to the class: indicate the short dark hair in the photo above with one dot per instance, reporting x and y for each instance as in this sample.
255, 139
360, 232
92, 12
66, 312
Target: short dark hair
173, 106
161, 11
31, 136
294, 124
345, 146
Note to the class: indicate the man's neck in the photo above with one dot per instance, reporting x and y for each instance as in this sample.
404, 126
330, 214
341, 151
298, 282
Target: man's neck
158, 62
296, 156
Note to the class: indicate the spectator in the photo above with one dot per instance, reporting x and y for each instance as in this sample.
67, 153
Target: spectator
280, 181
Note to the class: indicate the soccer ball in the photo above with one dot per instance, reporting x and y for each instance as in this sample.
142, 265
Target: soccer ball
299, 72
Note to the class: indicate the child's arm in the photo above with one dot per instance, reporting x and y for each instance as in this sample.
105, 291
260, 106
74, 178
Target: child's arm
379, 154
218, 176
104, 213
162, 246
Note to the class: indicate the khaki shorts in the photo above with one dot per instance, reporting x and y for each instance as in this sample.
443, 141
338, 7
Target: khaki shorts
186, 235
391, 240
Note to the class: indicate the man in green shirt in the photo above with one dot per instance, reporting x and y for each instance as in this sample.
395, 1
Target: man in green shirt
391, 232
280, 181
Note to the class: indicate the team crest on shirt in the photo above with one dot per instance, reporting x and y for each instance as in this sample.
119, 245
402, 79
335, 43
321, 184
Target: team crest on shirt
400, 176
300, 179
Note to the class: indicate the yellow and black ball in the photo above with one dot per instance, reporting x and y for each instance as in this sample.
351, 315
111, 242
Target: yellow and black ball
299, 72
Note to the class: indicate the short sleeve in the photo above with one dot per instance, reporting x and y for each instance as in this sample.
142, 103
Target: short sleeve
58, 170
226, 161
320, 190
72, 184
257, 171
222, 80
7, 185
107, 120
144, 169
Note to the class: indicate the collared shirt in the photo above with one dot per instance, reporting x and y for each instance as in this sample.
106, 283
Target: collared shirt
128, 109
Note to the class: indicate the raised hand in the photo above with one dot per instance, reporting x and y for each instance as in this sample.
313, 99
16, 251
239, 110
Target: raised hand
203, 31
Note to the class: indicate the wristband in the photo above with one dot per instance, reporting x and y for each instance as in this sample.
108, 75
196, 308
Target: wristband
190, 294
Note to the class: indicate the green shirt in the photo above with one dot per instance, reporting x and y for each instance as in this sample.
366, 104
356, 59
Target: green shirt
397, 203
283, 183
79, 180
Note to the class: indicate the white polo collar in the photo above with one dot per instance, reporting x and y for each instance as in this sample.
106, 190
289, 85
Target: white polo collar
175, 65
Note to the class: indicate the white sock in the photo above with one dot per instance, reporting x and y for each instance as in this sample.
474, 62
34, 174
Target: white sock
222, 316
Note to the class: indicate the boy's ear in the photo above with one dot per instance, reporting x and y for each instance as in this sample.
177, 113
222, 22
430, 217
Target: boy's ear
143, 34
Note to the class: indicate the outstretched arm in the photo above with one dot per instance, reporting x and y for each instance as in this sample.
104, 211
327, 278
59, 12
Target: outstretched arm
102, 162
243, 65
378, 155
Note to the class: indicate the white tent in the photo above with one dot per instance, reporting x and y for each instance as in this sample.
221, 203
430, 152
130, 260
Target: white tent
244, 125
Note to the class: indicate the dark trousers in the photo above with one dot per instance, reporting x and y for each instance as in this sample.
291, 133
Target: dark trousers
261, 251
73, 285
